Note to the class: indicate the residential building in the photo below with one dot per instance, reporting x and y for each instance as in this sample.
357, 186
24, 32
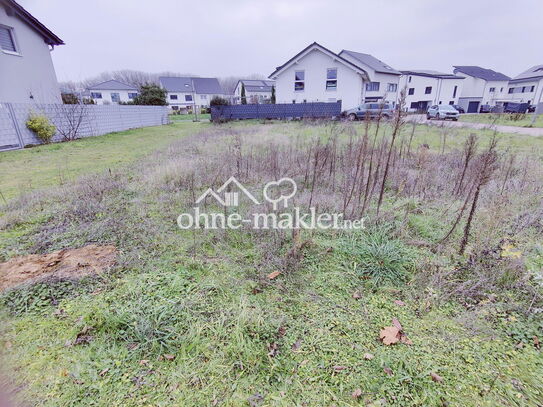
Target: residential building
317, 74
112, 92
527, 87
481, 87
186, 93
256, 91
424, 88
384, 80
27, 72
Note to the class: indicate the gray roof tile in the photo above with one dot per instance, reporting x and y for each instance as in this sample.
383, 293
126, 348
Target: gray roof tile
257, 85
482, 73
534, 72
184, 84
376, 64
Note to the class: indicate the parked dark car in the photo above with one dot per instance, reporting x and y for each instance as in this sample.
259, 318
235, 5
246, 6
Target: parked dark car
372, 110
485, 109
512, 107
459, 108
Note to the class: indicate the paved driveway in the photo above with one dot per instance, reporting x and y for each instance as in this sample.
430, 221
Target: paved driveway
529, 131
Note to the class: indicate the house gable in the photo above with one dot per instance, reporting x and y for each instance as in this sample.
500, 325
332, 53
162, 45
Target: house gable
317, 47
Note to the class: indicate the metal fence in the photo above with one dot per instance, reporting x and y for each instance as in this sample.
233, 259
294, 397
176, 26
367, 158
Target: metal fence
276, 111
90, 120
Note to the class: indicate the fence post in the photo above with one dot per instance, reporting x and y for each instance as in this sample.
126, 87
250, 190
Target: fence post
11, 113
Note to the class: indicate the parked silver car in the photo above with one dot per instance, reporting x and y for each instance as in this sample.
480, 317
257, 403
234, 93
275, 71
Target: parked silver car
443, 112
372, 110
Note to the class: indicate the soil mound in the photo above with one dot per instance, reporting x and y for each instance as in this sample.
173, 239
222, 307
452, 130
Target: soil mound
66, 263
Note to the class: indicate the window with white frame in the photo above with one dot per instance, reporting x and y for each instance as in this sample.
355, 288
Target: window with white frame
492, 90
392, 87
203, 97
372, 86
331, 79
115, 97
96, 95
299, 81
7, 40
188, 98
132, 95
173, 97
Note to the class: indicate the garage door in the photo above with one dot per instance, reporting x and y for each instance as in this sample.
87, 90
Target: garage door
473, 107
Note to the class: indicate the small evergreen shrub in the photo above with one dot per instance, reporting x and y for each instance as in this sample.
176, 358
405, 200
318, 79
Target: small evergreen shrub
42, 127
219, 101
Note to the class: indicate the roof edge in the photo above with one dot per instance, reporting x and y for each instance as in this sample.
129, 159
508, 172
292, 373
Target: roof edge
50, 37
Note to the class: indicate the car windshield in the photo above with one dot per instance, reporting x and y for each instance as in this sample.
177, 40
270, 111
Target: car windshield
447, 107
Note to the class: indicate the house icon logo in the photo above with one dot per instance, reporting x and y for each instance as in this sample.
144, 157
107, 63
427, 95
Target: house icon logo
231, 197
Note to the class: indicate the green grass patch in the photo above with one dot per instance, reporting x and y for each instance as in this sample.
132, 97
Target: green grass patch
504, 119
55, 164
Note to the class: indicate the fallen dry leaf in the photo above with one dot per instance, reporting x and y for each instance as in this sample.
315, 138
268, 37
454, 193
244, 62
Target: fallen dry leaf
273, 275
144, 362
282, 331
339, 368
103, 372
400, 303
389, 335
357, 393
169, 356
537, 344
296, 345
368, 356
273, 348
388, 371
435, 377
397, 324
405, 339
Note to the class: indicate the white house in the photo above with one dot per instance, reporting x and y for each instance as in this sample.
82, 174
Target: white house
27, 72
424, 88
384, 79
481, 87
317, 74
190, 92
112, 92
527, 87
256, 91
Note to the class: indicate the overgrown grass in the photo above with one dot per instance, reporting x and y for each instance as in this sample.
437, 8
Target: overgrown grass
55, 164
192, 319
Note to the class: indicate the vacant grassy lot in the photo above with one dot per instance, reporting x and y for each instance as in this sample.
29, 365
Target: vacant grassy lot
505, 119
192, 318
55, 164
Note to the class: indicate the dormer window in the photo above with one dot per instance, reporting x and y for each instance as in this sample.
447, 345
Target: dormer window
7, 40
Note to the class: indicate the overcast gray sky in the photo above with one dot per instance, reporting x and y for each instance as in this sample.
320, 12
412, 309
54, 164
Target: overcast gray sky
242, 37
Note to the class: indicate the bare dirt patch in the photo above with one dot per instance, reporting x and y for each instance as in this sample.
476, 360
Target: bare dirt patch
66, 263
